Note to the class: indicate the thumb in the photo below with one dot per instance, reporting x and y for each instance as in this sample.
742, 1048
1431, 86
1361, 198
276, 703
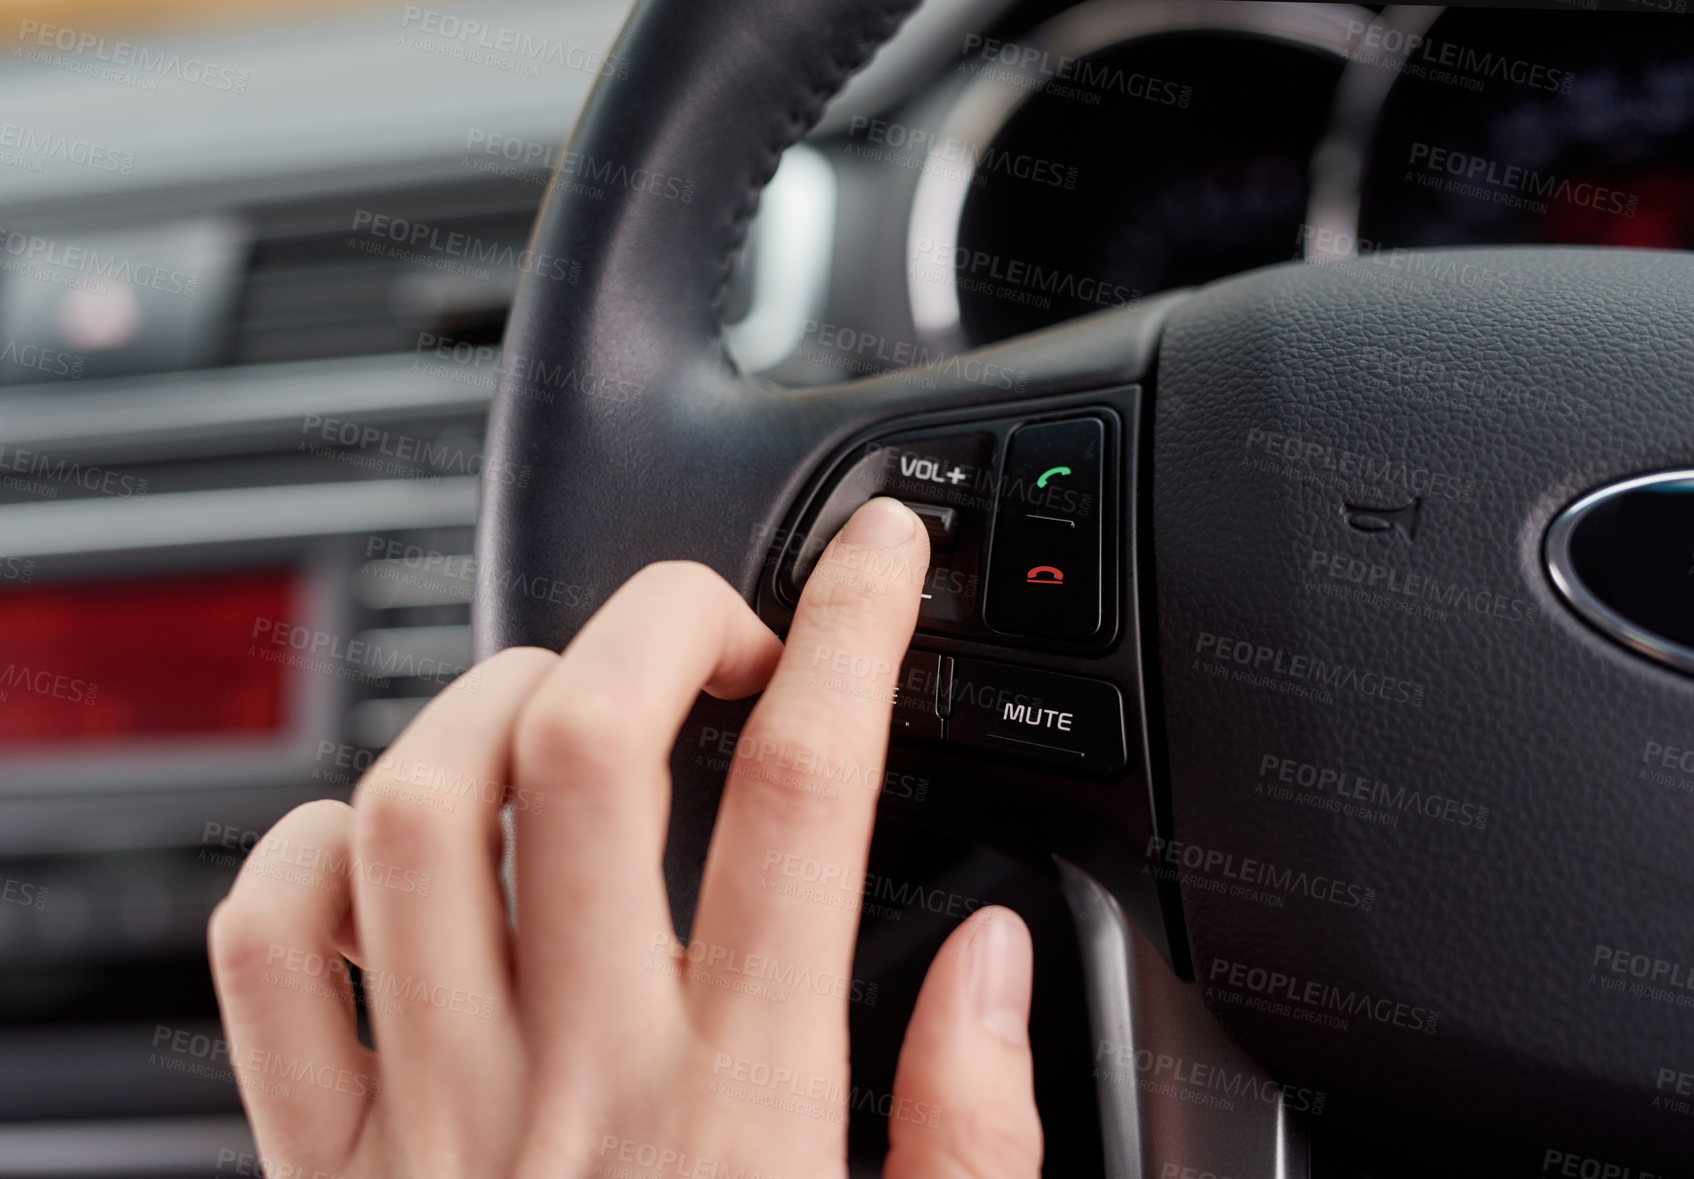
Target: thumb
965, 1088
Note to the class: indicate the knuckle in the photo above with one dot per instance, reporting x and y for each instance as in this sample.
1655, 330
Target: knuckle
391, 830
588, 734
241, 931
319, 815
812, 732
796, 776
311, 824
236, 942
796, 802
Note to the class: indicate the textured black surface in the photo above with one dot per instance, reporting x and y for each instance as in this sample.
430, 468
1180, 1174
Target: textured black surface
1519, 380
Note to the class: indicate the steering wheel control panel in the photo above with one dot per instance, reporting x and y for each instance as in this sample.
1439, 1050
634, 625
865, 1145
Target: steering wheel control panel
1022, 514
1017, 512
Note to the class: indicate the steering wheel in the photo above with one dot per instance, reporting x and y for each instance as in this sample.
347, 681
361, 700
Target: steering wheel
1328, 626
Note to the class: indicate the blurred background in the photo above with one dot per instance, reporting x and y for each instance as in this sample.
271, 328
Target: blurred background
237, 483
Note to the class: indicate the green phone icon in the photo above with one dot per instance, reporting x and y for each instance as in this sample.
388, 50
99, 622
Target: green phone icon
1049, 473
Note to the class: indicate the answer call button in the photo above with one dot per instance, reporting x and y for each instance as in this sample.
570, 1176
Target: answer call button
1045, 570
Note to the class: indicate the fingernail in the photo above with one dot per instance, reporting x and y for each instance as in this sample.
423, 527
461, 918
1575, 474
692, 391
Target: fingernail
880, 524
1000, 962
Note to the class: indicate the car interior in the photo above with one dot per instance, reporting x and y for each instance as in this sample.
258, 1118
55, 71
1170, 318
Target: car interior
1299, 398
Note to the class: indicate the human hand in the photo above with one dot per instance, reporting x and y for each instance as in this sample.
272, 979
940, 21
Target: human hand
587, 1041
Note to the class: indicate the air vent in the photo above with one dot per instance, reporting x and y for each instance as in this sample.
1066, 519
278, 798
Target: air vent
371, 272
411, 601
368, 273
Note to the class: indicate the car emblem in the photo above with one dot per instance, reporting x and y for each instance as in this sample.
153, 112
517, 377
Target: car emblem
1623, 557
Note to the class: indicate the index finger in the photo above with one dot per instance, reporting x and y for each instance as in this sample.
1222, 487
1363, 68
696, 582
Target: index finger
803, 787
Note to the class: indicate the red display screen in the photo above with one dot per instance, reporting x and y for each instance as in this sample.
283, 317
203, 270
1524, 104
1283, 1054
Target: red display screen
105, 661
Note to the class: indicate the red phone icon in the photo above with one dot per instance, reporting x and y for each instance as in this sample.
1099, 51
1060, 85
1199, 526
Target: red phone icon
1046, 575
